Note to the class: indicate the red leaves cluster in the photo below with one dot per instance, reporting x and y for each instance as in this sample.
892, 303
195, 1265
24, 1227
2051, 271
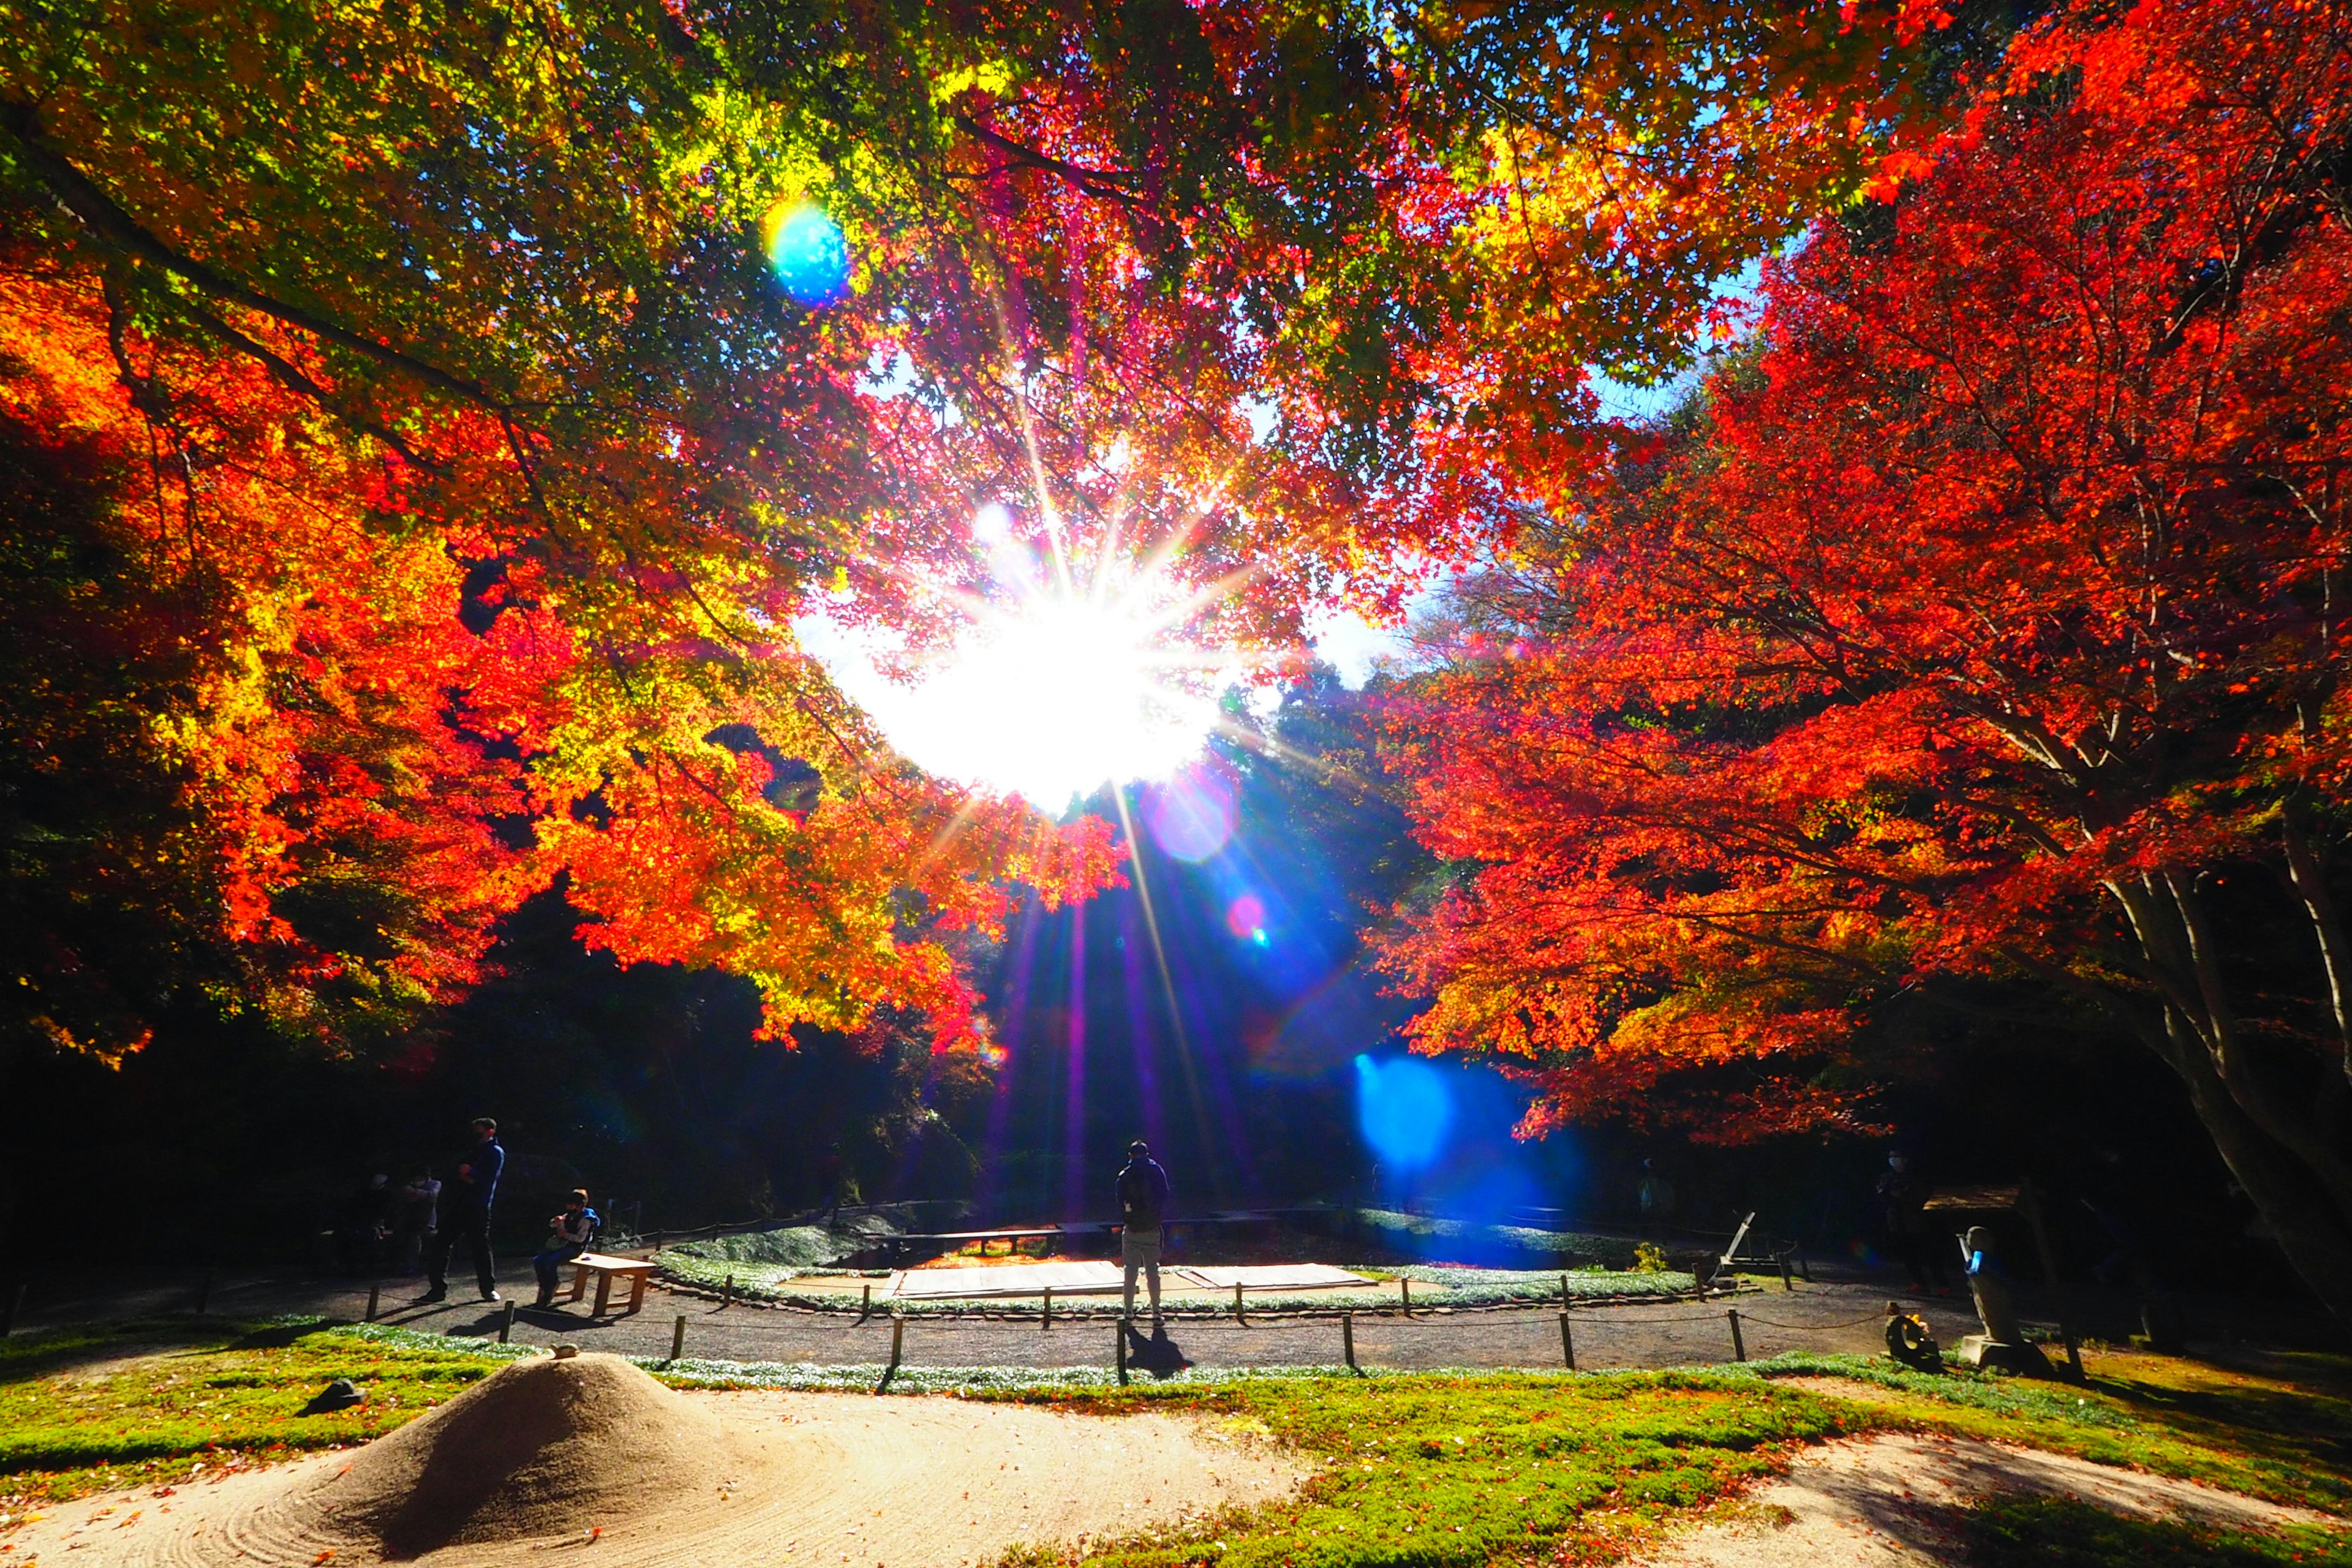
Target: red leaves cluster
297, 784
2001, 588
238, 696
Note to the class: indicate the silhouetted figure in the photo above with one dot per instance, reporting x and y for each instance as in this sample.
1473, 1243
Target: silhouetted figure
1903, 1227
1142, 1209
366, 1216
415, 1218
1656, 1196
466, 1215
828, 1184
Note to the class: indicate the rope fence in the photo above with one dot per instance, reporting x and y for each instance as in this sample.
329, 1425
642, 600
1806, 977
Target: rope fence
1132, 1353
1583, 1326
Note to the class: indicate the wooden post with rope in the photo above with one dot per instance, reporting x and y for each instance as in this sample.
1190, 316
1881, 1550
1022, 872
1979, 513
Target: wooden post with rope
898, 1345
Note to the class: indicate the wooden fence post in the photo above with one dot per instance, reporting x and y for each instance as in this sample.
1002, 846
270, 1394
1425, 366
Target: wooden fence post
677, 1338
1404, 1292
1738, 1345
1046, 1321
1119, 1334
505, 1322
1348, 1340
898, 1343
1567, 1343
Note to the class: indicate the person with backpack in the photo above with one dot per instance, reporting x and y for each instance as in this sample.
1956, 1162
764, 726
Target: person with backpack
569, 1234
1143, 1209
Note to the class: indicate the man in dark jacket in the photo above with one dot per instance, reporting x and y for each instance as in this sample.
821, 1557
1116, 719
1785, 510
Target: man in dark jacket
1143, 1209
465, 1213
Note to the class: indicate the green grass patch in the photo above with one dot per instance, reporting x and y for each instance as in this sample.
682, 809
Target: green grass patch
1444, 1472
802, 1246
118, 1405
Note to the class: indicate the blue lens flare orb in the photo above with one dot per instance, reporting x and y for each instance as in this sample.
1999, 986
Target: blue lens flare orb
809, 254
1405, 1107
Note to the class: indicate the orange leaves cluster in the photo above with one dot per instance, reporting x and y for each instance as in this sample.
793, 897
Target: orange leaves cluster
844, 898
2005, 583
297, 783
237, 693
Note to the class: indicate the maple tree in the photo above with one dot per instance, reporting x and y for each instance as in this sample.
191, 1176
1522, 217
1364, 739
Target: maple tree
484, 285
1980, 629
236, 772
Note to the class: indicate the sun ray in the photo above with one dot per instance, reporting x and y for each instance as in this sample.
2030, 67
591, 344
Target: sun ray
1159, 960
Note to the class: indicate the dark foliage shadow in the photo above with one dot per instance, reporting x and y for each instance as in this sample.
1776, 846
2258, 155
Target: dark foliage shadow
2059, 1532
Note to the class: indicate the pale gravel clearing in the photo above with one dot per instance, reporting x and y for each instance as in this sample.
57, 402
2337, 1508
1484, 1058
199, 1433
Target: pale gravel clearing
1897, 1501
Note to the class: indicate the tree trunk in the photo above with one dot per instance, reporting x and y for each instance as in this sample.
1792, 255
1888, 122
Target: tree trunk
2314, 1234
2278, 1144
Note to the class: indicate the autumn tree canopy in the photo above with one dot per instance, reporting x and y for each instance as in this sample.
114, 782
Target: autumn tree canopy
325, 325
1979, 635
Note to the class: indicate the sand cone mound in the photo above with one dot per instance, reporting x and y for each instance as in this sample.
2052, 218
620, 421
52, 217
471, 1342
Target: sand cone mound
541, 1447
594, 1461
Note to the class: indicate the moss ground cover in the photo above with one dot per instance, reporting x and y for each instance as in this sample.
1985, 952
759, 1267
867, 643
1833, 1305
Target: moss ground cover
1439, 1470
123, 1404
1436, 1469
1426, 1236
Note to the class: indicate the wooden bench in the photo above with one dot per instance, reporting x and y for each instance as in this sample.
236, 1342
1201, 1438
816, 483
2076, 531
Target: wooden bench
635, 1270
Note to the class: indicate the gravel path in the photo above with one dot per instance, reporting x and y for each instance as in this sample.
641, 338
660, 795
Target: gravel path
1812, 1317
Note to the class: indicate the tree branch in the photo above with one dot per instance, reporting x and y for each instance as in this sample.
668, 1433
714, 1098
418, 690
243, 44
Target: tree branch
108, 222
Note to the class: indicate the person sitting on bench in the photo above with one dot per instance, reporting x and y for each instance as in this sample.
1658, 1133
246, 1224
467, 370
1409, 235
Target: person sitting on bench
569, 1235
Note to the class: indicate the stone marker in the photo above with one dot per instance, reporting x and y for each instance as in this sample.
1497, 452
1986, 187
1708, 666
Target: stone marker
2003, 1345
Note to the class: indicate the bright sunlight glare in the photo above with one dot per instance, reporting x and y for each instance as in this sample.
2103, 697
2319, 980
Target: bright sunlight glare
1053, 690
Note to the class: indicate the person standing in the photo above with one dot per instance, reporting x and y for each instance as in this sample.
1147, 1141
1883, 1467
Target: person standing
466, 1213
418, 1219
1143, 1209
1903, 1225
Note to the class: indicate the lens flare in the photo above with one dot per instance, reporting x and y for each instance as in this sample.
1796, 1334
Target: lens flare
1406, 1108
808, 253
1191, 815
1245, 917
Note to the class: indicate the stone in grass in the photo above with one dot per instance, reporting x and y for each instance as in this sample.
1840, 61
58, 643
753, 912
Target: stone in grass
2021, 1356
340, 1394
